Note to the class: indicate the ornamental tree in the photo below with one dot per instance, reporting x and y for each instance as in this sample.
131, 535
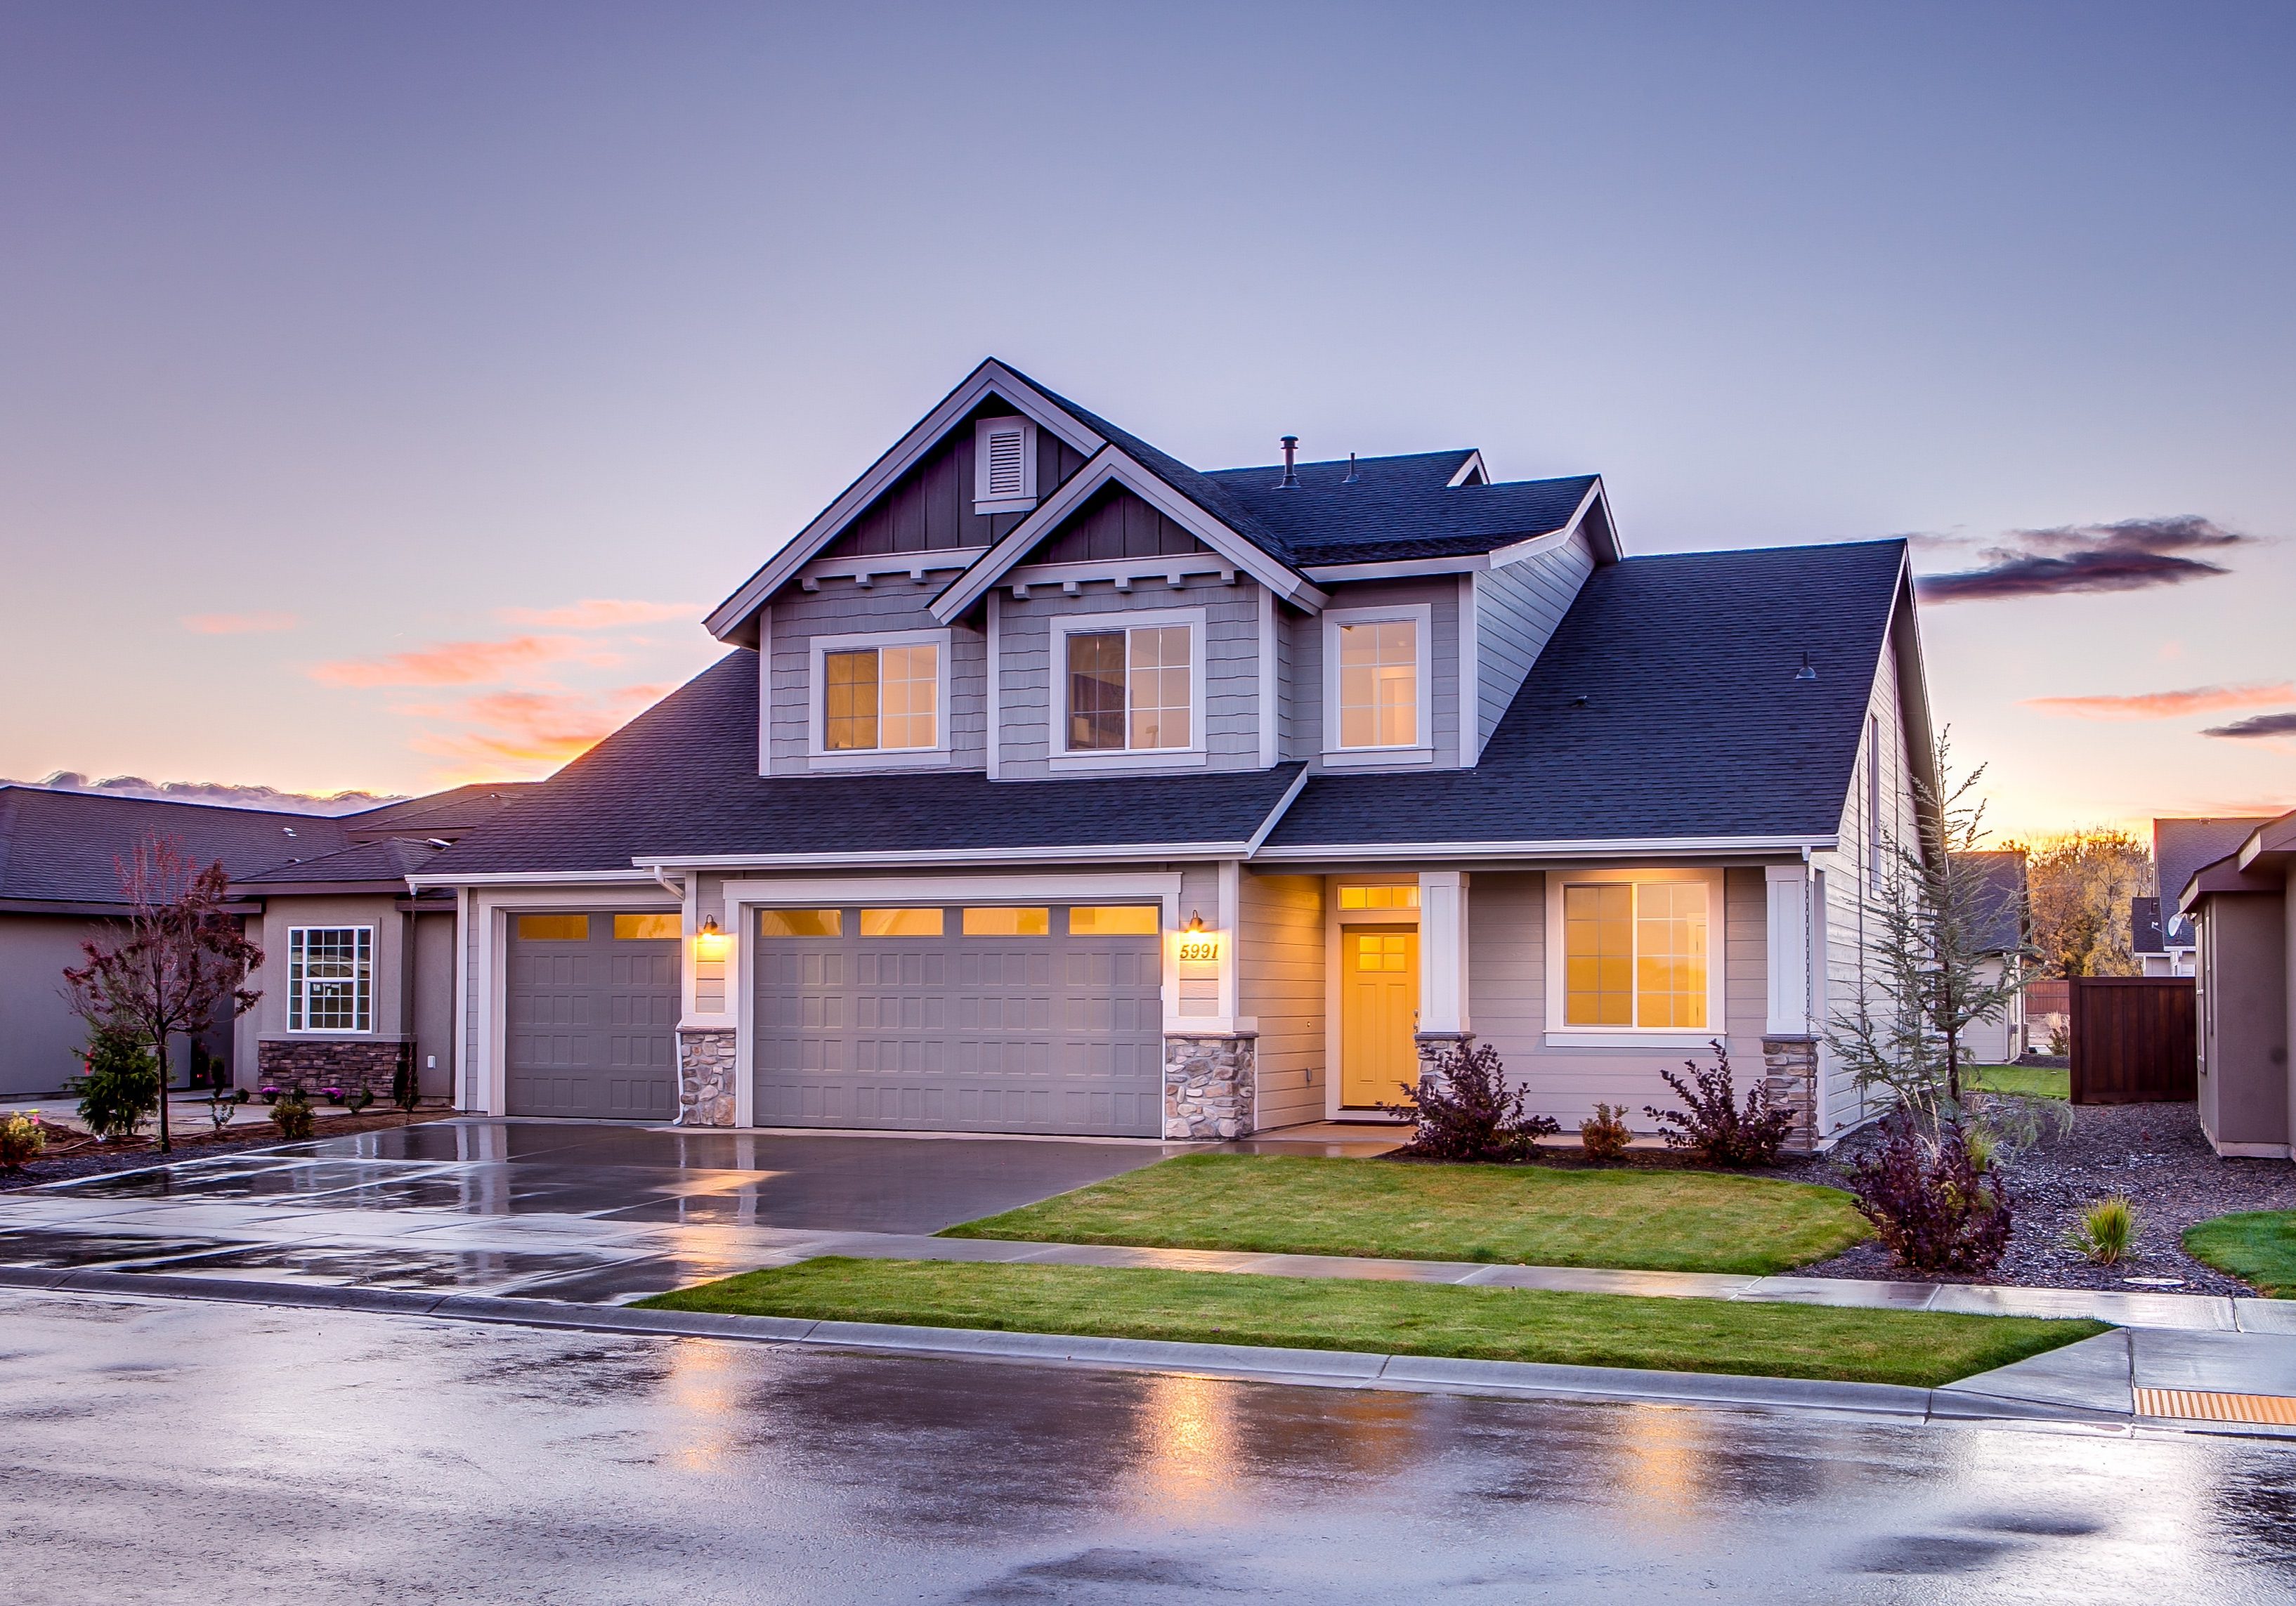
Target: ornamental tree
176, 966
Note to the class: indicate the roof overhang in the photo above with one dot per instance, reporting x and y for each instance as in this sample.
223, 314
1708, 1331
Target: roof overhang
1113, 466
729, 621
532, 878
2270, 846
1583, 847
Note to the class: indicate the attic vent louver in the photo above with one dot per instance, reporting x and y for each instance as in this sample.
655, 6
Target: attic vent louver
1005, 463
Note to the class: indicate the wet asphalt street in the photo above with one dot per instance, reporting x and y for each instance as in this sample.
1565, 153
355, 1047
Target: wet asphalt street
178, 1451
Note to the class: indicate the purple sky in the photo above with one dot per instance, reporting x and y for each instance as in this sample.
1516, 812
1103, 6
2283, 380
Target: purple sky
383, 392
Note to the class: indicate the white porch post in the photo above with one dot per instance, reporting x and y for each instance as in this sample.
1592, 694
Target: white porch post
1788, 1031
1443, 1016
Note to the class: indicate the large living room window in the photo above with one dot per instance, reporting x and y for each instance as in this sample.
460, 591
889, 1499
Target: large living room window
330, 978
1130, 684
880, 695
1637, 955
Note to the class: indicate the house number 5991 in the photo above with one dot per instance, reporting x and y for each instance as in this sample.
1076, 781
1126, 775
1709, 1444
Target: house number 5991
1199, 948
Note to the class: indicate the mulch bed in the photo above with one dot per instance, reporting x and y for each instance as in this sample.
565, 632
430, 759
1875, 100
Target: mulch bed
71, 1154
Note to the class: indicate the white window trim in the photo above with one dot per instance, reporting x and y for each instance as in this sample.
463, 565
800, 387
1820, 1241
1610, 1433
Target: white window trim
818, 754
1562, 1035
1065, 624
1421, 752
293, 1001
1026, 501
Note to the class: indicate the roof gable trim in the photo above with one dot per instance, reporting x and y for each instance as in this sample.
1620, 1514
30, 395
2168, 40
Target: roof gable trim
992, 378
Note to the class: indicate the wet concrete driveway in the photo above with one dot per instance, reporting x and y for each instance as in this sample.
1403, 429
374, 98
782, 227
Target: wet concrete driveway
182, 1450
564, 1211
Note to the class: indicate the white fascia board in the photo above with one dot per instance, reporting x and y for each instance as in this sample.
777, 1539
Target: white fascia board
1474, 465
1589, 848
1275, 815
535, 878
992, 377
1399, 569
1082, 854
1609, 551
1112, 463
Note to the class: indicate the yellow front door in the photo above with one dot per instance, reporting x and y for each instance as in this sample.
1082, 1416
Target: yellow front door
1379, 1013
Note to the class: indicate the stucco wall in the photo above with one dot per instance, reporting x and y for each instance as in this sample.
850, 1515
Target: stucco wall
39, 1036
2244, 1085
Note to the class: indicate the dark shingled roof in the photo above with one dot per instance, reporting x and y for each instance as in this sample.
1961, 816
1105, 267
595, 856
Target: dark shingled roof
1694, 724
2145, 926
391, 859
1401, 507
64, 846
444, 814
681, 779
2001, 872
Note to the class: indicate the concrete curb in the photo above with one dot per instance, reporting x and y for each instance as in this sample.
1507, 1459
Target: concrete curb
1326, 1368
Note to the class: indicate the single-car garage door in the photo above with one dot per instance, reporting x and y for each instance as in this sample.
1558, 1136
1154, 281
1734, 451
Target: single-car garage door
952, 1019
592, 1010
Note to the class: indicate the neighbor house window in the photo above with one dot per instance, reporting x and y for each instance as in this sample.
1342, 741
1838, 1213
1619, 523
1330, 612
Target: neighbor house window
1130, 690
1635, 955
1379, 683
330, 978
881, 698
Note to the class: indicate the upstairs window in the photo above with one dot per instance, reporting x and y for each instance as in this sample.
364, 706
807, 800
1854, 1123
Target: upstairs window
1003, 465
1130, 690
880, 695
330, 978
1379, 683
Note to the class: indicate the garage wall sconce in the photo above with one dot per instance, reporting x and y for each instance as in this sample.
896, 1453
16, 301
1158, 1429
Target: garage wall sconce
710, 942
1196, 922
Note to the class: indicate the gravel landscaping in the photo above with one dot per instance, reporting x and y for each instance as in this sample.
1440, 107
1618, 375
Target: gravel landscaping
2154, 1153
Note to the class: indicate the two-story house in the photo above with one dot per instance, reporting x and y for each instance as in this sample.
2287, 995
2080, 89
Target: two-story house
1052, 785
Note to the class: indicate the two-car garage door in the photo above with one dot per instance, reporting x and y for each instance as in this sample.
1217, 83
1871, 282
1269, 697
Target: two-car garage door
992, 1019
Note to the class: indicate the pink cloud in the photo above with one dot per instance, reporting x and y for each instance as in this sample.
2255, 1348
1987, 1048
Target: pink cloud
459, 663
600, 613
2168, 705
239, 624
525, 729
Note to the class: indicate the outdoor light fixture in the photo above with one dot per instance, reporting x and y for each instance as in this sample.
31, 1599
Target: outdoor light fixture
1196, 922
710, 942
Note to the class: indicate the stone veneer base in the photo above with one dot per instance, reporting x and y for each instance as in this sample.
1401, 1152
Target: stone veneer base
348, 1063
705, 1078
1210, 1086
1790, 1076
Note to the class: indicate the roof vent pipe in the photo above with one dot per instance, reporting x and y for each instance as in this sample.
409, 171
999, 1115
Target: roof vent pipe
1353, 478
1808, 671
1291, 480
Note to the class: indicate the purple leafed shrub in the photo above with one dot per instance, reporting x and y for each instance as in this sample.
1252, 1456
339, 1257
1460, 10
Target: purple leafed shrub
1930, 1205
1463, 1111
1711, 1126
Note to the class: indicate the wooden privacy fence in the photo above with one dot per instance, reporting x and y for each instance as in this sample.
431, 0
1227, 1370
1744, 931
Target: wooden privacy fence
2133, 1040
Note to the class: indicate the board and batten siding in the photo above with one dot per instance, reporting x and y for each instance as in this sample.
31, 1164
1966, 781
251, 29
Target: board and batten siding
1028, 682
1304, 731
841, 608
1517, 609
1506, 970
1280, 984
929, 508
1846, 873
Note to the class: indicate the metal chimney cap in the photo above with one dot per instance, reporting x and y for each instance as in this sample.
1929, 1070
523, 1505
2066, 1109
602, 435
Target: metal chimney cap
1291, 480
1353, 478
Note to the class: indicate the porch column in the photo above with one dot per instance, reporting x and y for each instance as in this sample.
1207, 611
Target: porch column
1790, 1032
1444, 1019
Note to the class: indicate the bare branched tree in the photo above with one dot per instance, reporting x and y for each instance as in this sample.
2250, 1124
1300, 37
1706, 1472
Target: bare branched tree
175, 966
1932, 924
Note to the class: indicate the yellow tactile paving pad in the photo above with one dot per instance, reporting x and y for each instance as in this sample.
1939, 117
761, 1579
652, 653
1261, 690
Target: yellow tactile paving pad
2193, 1405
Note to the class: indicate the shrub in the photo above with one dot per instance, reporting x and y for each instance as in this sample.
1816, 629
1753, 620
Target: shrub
22, 1137
406, 1085
222, 1104
292, 1116
358, 1099
270, 1095
1711, 1126
333, 1095
1604, 1135
1930, 1205
2107, 1229
121, 1090
1463, 1111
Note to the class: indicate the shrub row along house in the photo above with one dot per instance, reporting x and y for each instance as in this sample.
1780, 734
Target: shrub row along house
1052, 785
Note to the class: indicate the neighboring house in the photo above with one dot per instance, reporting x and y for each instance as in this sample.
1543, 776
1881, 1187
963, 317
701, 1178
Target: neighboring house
1052, 785
2146, 939
2180, 847
2242, 907
2003, 904
59, 853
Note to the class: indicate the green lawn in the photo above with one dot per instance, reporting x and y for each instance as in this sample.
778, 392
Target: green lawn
1393, 1318
2025, 1081
1674, 1221
2258, 1246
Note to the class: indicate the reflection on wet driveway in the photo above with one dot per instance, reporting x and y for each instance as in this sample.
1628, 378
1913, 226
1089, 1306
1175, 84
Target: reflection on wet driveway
564, 1210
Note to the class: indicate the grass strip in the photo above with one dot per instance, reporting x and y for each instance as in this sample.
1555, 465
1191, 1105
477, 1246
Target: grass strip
2256, 1245
1668, 1221
1917, 1347
2023, 1081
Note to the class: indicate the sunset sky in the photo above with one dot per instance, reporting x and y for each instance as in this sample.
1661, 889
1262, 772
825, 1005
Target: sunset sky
385, 392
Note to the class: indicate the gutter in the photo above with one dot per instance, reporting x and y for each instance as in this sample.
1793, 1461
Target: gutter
1572, 849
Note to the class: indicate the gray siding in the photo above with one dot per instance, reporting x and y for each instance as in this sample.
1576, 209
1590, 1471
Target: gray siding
1114, 522
929, 508
1027, 703
39, 1036
841, 608
1517, 609
1304, 738
434, 1004
1280, 985
1506, 959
